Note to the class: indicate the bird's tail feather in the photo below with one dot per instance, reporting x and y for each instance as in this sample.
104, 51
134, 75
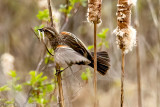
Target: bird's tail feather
102, 62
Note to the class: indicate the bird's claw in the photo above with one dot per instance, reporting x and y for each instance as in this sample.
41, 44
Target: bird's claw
58, 72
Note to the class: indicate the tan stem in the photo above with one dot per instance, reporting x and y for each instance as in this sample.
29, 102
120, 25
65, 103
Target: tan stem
95, 64
60, 89
158, 68
136, 24
122, 80
50, 13
138, 77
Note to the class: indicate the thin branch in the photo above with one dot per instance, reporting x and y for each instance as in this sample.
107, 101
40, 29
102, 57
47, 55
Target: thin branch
50, 13
75, 10
66, 17
60, 89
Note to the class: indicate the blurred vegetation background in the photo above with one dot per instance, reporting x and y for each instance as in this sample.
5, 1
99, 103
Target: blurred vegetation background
25, 52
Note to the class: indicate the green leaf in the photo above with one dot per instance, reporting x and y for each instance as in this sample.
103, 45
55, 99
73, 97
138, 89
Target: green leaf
30, 100
84, 76
9, 102
33, 78
65, 10
18, 87
50, 87
43, 15
102, 34
54, 71
100, 44
51, 59
46, 60
43, 78
38, 77
88, 72
84, 3
4, 88
12, 73
50, 50
41, 101
90, 47
106, 44
32, 73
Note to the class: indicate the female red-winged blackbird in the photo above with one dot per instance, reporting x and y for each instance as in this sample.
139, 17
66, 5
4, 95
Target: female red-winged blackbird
68, 49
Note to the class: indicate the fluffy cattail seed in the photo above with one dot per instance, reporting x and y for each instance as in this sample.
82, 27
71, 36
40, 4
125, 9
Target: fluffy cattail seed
7, 62
94, 11
125, 33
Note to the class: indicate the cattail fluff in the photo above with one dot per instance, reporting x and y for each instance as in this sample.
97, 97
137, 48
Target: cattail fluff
7, 63
94, 11
42, 4
125, 33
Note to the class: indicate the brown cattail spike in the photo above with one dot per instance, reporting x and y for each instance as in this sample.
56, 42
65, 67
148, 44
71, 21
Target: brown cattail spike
126, 34
94, 11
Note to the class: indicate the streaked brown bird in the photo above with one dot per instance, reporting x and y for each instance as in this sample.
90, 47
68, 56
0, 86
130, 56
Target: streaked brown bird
68, 49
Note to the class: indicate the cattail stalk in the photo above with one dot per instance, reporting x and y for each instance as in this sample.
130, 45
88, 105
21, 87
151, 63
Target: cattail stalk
122, 79
136, 24
95, 63
125, 35
156, 20
94, 15
138, 77
158, 69
60, 89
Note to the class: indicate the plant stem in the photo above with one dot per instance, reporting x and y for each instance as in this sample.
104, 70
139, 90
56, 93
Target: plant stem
158, 69
122, 80
50, 12
60, 89
95, 64
138, 77
156, 20
136, 23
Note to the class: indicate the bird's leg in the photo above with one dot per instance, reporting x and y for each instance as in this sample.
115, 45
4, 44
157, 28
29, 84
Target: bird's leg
59, 71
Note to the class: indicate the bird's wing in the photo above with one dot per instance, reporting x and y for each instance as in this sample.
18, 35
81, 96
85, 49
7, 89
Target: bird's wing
66, 55
76, 44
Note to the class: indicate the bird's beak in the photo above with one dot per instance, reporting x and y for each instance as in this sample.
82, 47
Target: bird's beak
41, 34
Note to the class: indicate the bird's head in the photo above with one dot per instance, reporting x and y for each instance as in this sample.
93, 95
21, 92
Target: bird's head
50, 32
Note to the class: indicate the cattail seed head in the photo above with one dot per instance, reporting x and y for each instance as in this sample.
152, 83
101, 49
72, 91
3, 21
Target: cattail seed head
125, 33
94, 11
125, 38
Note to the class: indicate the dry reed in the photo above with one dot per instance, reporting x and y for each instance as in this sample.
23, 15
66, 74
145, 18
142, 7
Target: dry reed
94, 15
125, 35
